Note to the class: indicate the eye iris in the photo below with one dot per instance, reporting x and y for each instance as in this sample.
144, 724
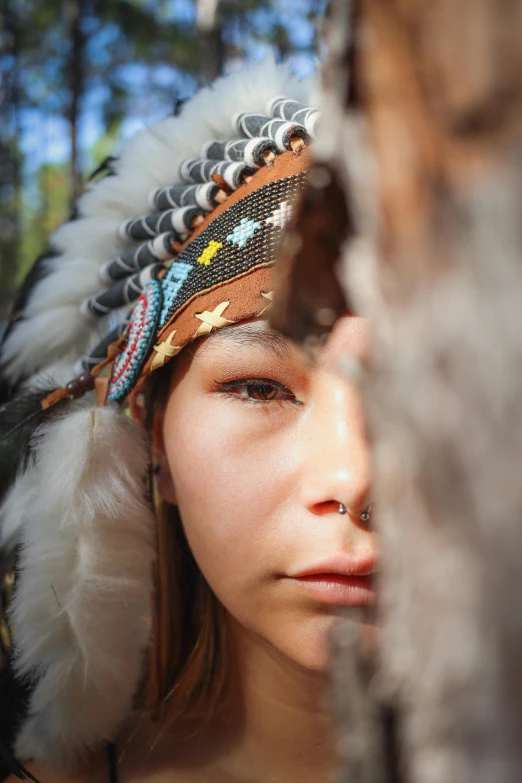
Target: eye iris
262, 391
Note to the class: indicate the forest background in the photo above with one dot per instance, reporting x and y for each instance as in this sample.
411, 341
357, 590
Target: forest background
78, 77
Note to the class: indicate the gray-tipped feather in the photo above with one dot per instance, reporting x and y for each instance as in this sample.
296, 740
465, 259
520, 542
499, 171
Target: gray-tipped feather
52, 327
82, 600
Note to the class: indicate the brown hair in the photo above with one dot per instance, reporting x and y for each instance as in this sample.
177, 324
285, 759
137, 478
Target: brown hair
187, 673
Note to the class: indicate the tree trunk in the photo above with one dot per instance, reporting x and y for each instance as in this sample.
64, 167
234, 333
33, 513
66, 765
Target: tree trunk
441, 87
75, 11
10, 163
211, 48
425, 139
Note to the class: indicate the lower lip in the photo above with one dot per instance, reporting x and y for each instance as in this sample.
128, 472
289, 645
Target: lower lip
338, 590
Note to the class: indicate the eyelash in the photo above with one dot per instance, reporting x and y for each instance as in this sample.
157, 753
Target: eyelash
228, 387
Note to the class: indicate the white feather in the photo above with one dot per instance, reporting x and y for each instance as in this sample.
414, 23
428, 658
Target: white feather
54, 327
13, 511
54, 376
81, 609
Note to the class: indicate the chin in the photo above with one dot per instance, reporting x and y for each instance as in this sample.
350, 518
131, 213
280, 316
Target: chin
309, 647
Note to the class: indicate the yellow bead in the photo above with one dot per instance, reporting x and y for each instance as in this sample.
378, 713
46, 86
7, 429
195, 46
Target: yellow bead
209, 252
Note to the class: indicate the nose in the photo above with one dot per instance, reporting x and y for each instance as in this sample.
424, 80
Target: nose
336, 467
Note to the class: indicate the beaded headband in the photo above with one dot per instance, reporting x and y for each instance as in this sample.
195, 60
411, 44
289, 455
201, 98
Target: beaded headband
193, 254
247, 210
221, 276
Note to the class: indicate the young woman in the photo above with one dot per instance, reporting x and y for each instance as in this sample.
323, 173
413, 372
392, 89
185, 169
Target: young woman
177, 628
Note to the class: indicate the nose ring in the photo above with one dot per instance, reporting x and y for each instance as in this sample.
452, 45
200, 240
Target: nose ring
365, 515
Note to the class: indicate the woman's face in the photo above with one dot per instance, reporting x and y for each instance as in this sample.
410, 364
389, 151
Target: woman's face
262, 448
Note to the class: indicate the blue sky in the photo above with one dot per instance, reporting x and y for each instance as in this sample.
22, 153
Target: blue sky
46, 134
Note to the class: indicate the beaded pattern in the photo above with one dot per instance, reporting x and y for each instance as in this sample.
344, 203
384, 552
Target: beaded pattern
281, 215
209, 252
140, 338
234, 257
172, 283
242, 232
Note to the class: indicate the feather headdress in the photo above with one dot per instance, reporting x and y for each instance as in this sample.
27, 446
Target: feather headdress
179, 240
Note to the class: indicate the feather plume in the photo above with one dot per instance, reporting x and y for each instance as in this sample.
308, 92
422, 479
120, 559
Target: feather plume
20, 417
34, 276
81, 606
52, 326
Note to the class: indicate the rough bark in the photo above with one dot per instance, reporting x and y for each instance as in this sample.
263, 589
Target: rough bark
442, 91
435, 261
368, 746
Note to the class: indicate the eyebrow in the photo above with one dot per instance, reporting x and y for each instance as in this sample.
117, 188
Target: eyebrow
248, 336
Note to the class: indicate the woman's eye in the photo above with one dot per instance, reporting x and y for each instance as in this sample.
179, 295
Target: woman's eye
263, 392
257, 390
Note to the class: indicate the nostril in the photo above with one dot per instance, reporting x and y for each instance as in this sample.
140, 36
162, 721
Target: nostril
329, 507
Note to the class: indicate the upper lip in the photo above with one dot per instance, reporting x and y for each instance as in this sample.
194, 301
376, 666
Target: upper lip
341, 564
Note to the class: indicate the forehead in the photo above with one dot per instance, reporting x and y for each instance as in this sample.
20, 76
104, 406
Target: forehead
254, 333
350, 335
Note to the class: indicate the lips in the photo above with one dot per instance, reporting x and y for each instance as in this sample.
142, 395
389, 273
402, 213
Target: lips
340, 581
342, 565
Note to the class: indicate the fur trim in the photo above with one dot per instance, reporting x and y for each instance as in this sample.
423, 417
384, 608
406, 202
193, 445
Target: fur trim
53, 326
82, 601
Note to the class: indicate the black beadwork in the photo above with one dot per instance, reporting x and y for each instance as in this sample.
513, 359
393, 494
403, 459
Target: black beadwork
231, 260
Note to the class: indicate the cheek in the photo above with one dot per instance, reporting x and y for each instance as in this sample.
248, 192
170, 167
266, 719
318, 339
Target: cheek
236, 472
233, 474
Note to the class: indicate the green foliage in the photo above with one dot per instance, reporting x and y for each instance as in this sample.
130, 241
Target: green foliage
41, 219
139, 57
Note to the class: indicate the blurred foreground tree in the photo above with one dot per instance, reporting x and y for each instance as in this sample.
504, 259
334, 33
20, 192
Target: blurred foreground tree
418, 187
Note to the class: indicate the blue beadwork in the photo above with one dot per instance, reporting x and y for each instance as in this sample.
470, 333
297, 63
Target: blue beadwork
245, 221
172, 282
243, 231
142, 329
186, 278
